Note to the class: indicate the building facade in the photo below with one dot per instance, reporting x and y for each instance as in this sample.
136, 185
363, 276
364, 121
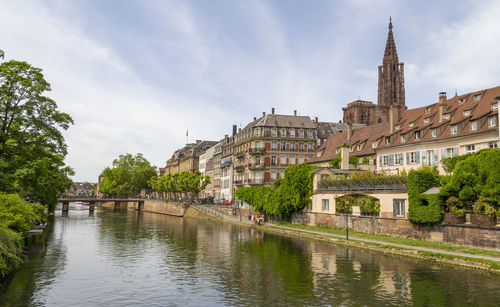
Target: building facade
187, 158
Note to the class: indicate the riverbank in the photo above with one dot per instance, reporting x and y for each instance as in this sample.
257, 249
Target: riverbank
475, 258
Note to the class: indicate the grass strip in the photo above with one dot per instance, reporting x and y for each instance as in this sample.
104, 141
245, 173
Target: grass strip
405, 241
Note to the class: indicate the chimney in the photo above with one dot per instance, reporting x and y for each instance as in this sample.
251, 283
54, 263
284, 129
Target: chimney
344, 151
254, 118
393, 116
263, 113
239, 130
316, 119
234, 130
272, 111
294, 112
225, 136
442, 104
349, 131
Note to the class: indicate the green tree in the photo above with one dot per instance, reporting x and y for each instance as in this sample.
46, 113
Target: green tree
31, 142
128, 175
198, 183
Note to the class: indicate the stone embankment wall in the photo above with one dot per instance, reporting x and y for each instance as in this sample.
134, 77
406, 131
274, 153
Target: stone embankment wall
163, 207
473, 235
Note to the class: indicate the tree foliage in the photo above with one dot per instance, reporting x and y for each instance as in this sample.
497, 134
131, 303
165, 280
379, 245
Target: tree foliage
285, 196
185, 182
32, 147
128, 175
475, 183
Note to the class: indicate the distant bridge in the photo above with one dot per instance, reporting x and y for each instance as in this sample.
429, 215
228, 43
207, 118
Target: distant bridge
92, 201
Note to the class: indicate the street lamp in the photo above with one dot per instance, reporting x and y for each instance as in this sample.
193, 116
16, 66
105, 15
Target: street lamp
346, 218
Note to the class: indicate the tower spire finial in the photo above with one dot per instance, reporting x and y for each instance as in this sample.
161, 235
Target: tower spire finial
390, 22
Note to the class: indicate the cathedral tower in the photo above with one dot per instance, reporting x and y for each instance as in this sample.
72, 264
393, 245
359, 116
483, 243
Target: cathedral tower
391, 88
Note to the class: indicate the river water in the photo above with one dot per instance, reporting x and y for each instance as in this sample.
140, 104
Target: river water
122, 258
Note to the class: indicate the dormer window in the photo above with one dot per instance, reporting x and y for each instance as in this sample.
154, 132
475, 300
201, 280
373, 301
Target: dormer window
374, 144
388, 140
434, 133
453, 129
417, 135
426, 120
257, 132
403, 139
461, 101
477, 97
492, 121
301, 133
397, 127
467, 113
446, 116
359, 147
337, 151
274, 132
428, 110
412, 124
283, 132
494, 106
292, 132
473, 125
310, 133
351, 149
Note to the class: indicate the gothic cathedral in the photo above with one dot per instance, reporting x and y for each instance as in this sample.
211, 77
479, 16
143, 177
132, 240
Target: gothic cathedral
391, 90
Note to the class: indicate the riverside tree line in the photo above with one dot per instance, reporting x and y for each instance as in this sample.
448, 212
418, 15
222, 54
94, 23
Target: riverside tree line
32, 151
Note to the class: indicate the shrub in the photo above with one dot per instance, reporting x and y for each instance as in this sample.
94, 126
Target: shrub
423, 209
483, 207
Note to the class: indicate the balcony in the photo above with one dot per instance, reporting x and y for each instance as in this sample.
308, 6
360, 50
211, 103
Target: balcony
256, 151
255, 181
225, 164
238, 182
256, 166
239, 168
388, 183
240, 154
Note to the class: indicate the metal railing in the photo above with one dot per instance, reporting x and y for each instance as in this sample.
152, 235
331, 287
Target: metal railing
388, 183
257, 150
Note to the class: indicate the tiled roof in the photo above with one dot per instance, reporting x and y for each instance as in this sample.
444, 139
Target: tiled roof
362, 136
425, 119
285, 121
325, 128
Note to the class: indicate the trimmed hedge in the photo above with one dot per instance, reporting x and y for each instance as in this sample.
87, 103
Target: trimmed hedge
423, 209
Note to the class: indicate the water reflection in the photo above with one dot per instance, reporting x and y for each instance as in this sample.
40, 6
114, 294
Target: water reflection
122, 258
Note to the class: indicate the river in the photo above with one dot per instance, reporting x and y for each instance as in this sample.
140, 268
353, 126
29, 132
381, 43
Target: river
122, 258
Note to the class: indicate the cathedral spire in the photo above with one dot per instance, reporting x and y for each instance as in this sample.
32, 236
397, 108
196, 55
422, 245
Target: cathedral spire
390, 54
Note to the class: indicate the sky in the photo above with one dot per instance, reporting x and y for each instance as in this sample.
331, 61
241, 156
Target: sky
136, 75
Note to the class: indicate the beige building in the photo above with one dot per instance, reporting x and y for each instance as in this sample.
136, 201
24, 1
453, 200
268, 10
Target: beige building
187, 158
267, 145
450, 127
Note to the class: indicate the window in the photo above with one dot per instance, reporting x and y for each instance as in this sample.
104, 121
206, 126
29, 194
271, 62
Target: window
467, 113
413, 157
449, 152
283, 146
428, 110
494, 106
274, 175
301, 160
326, 204
292, 132
411, 125
387, 160
430, 157
397, 127
492, 122
461, 101
292, 146
453, 129
398, 158
426, 120
283, 161
359, 147
434, 133
399, 208
283, 132
310, 133
374, 144
470, 148
310, 147
273, 160
403, 138
274, 146
301, 147
257, 132
473, 125
257, 160
292, 160
477, 97
446, 116
493, 144
257, 144
301, 133
388, 140
274, 132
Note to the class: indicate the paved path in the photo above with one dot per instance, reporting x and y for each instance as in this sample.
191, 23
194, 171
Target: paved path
419, 248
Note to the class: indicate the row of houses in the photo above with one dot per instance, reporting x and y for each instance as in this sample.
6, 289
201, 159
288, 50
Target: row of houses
386, 137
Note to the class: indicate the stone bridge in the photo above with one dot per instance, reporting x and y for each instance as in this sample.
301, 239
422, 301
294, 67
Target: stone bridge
92, 201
